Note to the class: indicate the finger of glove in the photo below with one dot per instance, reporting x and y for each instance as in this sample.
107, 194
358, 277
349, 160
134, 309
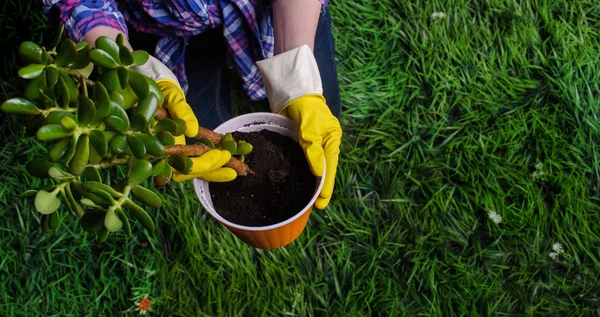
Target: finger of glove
220, 175
180, 139
311, 142
177, 177
184, 112
207, 161
225, 157
178, 107
332, 153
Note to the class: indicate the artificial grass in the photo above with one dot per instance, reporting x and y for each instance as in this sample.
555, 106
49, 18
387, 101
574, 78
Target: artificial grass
488, 107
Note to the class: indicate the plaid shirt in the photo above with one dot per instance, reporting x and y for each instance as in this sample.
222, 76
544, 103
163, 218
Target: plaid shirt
247, 25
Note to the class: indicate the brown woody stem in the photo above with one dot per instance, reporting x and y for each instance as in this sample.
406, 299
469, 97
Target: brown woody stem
214, 137
198, 149
160, 114
203, 133
188, 150
115, 162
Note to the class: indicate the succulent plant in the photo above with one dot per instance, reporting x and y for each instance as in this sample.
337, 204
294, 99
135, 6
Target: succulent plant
96, 112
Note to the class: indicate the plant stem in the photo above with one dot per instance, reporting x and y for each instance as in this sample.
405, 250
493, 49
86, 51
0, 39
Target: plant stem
89, 82
188, 150
117, 204
199, 149
59, 188
83, 82
115, 162
54, 109
69, 195
160, 114
203, 133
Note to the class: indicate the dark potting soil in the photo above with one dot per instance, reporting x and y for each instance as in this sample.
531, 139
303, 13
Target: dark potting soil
282, 184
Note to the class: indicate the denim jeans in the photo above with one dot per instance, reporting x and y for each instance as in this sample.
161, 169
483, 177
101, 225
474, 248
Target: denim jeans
209, 76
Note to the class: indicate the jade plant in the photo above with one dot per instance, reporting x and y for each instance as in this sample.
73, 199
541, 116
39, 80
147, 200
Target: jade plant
97, 113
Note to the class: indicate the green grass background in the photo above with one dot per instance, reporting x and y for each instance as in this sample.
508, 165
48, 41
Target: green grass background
493, 107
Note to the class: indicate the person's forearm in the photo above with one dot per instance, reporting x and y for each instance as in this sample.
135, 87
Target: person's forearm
97, 32
295, 23
86, 20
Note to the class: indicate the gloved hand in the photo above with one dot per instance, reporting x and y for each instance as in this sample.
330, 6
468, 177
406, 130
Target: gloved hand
294, 89
209, 166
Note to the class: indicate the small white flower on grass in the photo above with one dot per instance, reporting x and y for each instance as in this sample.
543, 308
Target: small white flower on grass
557, 249
494, 216
438, 15
539, 173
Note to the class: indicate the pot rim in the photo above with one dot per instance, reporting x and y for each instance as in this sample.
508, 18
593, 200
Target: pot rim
281, 122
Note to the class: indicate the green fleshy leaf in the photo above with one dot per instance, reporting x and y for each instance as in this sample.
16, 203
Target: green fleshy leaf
146, 196
126, 55
243, 148
103, 235
101, 101
19, 106
181, 163
86, 111
125, 220
153, 146
141, 215
137, 146
68, 123
164, 176
102, 58
181, 125
66, 53
92, 221
140, 171
99, 142
52, 132
230, 146
35, 87
39, 167
31, 71
108, 45
30, 52
116, 124
46, 203
52, 75
119, 145
59, 149
82, 155
166, 138
58, 174
140, 57
112, 221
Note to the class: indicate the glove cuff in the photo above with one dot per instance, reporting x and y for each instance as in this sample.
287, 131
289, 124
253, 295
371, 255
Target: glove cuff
290, 75
156, 70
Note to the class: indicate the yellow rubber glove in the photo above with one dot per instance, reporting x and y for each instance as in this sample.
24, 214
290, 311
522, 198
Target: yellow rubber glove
293, 84
320, 136
177, 106
208, 166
